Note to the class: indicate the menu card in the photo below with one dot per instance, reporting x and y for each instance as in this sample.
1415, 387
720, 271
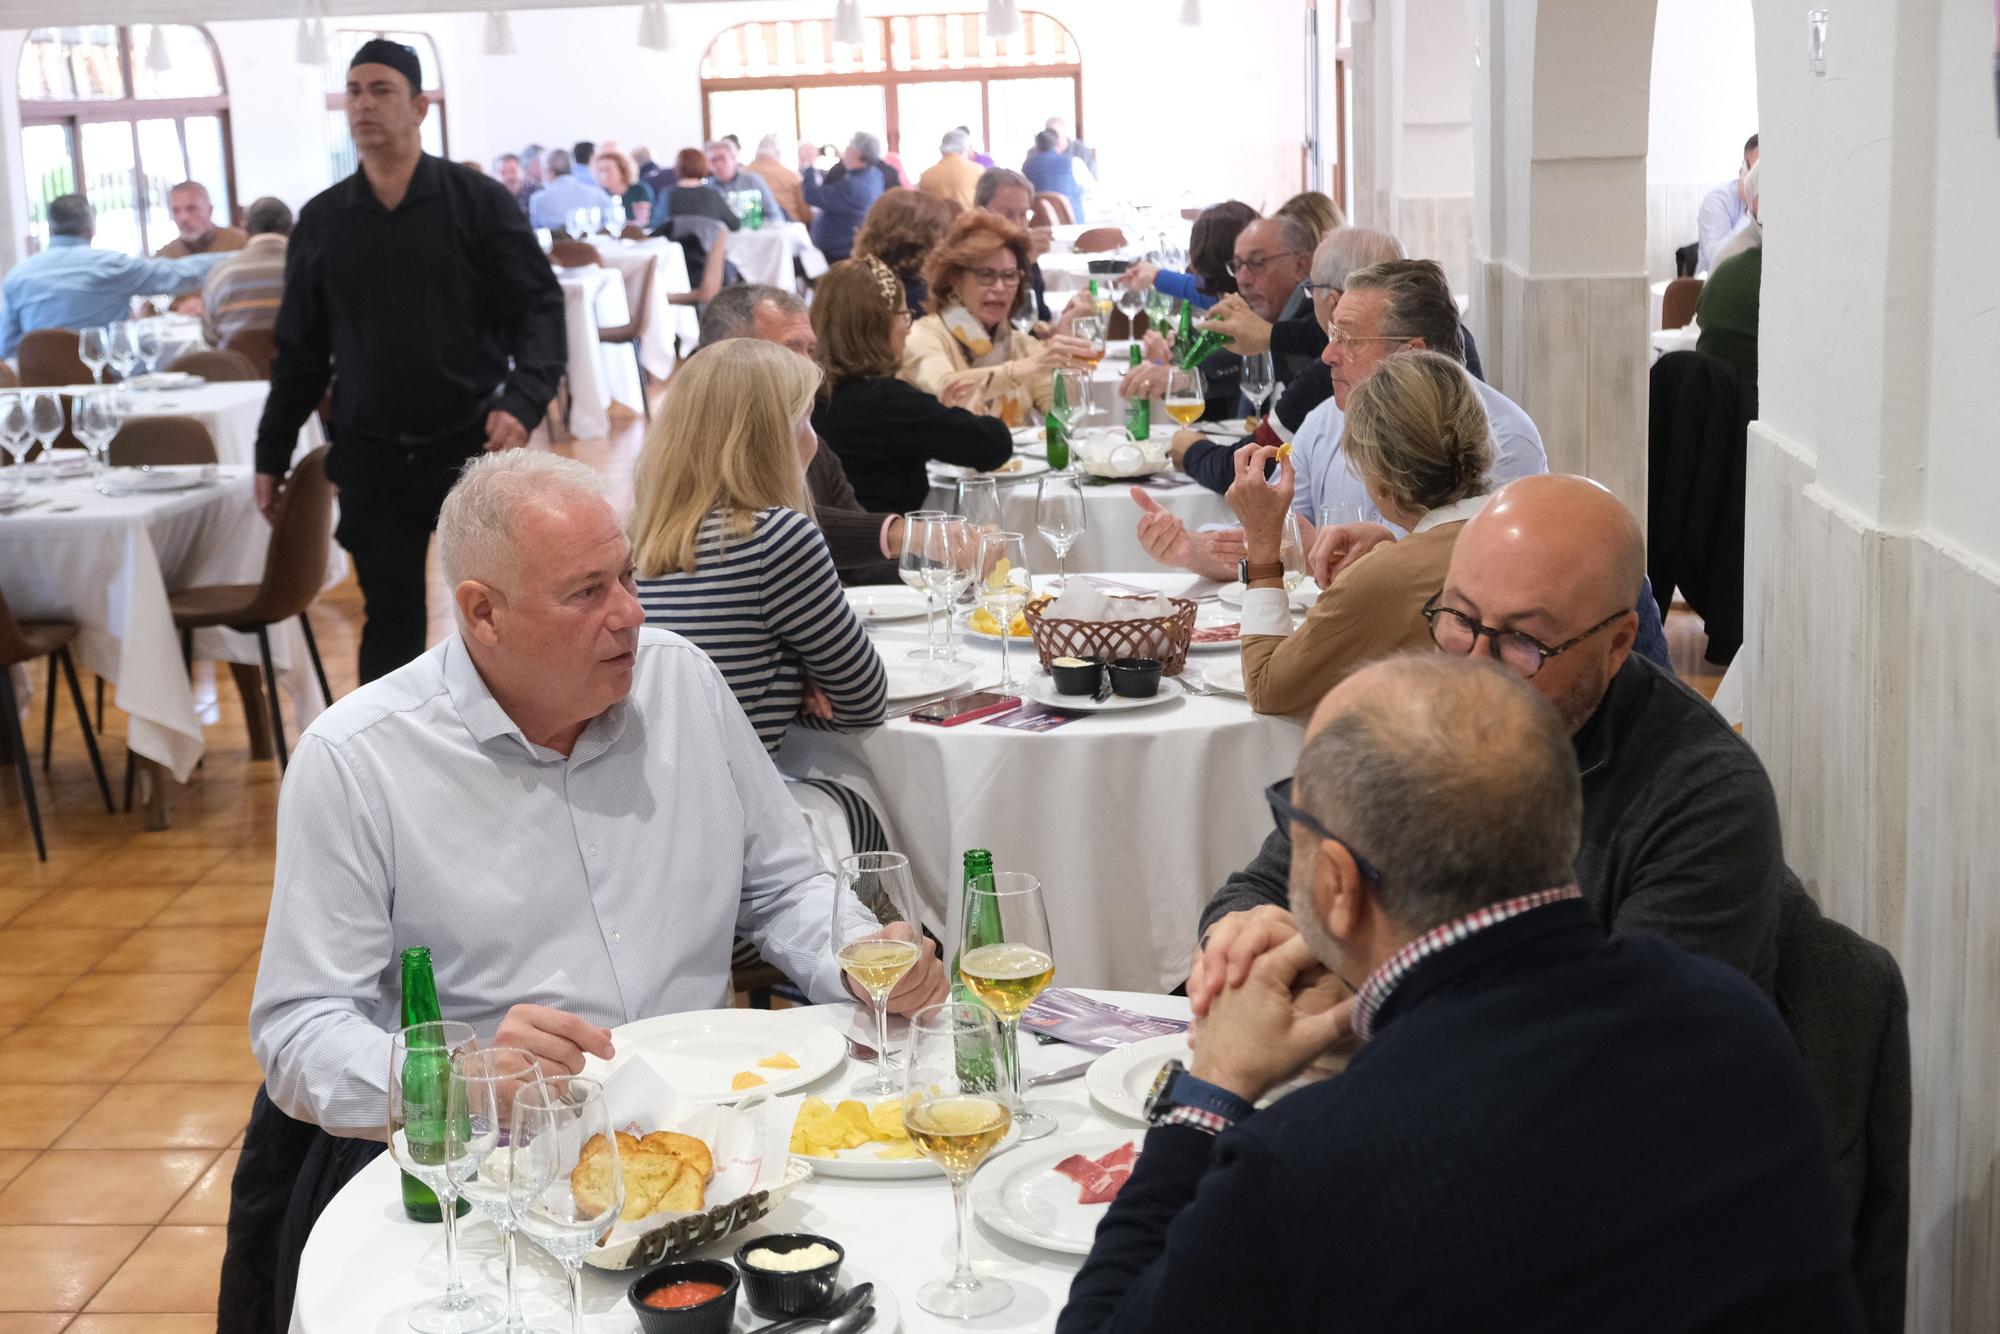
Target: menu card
1072, 1017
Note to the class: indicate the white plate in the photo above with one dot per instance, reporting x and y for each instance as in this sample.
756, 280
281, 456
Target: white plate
1041, 688
1024, 1197
1225, 674
1119, 1080
887, 602
1020, 641
1028, 435
914, 680
165, 380
131, 480
700, 1051
1026, 466
862, 1165
1307, 593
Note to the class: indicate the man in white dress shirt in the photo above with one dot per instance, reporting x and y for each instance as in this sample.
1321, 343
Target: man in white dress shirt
1725, 210
569, 809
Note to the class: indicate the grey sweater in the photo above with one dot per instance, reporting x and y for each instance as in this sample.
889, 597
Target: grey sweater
1680, 828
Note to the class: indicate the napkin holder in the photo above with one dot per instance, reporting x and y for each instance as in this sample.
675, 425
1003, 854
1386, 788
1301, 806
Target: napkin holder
1163, 637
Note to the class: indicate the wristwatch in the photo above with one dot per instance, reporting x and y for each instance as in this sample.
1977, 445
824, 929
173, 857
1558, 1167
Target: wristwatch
1247, 572
1178, 1095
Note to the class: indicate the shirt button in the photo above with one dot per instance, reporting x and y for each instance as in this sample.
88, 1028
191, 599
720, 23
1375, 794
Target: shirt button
591, 850
617, 936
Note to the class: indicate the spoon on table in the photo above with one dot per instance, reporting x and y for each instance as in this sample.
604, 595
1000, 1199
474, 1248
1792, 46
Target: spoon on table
838, 1317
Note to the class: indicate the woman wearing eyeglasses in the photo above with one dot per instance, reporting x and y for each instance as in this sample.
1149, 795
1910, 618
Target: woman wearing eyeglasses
966, 351
1418, 438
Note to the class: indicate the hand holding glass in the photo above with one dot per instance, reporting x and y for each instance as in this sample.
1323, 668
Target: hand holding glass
956, 1115
877, 961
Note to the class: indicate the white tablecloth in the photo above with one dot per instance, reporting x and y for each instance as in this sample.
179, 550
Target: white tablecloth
366, 1265
109, 564
1673, 340
766, 255
593, 299
1132, 820
670, 276
230, 409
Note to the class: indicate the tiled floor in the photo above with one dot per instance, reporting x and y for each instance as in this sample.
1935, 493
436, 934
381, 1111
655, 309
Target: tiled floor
126, 967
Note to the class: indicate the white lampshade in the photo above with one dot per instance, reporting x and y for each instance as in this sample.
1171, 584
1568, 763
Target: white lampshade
1003, 18
653, 32
312, 36
499, 33
847, 23
1190, 13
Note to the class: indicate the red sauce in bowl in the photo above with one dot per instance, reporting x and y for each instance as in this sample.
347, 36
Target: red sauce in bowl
676, 1296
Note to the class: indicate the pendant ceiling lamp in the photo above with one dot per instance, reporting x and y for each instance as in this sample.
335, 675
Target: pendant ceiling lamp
847, 23
1003, 18
499, 33
653, 32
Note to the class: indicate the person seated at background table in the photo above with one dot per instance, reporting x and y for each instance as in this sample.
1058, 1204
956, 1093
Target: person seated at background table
691, 196
901, 230
1680, 825
1726, 310
1211, 244
954, 177
1724, 211
976, 277
656, 176
1541, 1128
568, 808
71, 284
885, 429
618, 175
510, 172
1419, 440
726, 554
1011, 195
1054, 172
784, 183
563, 193
243, 291
866, 545
844, 200
582, 151
193, 214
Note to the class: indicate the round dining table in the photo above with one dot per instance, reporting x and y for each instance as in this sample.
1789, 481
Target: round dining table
1131, 819
366, 1265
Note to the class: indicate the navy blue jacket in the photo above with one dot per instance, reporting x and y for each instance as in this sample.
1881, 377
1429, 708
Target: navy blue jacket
1053, 173
1550, 1132
843, 201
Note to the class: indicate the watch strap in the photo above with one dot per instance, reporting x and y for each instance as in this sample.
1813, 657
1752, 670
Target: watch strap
1185, 1100
1256, 570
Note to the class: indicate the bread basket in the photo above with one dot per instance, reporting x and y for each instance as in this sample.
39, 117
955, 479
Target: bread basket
1162, 637
684, 1234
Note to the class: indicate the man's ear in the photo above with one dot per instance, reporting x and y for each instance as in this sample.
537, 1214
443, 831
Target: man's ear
1337, 889
478, 610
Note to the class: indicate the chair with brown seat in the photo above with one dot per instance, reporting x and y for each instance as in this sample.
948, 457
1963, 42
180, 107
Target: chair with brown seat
1051, 210
633, 232
48, 359
575, 255
8, 380
1099, 239
214, 365
1678, 302
633, 331
24, 642
255, 346
294, 572
160, 442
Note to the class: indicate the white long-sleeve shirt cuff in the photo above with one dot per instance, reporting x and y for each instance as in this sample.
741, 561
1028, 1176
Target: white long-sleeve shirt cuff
1267, 611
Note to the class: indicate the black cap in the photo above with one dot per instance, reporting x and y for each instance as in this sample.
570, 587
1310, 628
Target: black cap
402, 59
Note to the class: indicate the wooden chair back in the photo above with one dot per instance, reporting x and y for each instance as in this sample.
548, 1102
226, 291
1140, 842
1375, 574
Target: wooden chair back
568, 254
255, 346
640, 300
48, 358
1051, 210
1677, 305
633, 232
8, 380
221, 364
160, 442
1099, 239
301, 530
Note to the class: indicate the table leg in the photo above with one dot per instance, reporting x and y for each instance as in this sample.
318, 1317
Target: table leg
256, 713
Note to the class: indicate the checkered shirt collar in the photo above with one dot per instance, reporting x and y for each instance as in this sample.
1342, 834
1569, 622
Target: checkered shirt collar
1383, 981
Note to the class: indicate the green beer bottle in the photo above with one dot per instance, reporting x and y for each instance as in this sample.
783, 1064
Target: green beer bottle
1206, 344
1138, 412
1057, 433
975, 1071
753, 216
420, 1006
1184, 336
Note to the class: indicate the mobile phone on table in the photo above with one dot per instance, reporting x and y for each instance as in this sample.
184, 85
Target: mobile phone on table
965, 708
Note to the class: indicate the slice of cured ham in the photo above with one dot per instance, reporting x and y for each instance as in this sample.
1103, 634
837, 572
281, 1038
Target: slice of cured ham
1100, 1179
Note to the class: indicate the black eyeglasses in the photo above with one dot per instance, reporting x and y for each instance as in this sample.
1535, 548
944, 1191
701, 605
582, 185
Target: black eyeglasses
1279, 794
1456, 633
1314, 289
1255, 264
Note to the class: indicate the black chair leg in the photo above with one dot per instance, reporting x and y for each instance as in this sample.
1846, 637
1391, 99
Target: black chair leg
25, 767
83, 717
131, 778
644, 402
49, 717
312, 648
100, 704
187, 650
271, 689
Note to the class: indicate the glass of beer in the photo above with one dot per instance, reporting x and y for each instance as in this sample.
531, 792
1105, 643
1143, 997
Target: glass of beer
877, 943
1006, 959
1185, 401
956, 1114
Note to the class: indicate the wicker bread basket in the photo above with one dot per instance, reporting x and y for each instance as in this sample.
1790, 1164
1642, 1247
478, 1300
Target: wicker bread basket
1162, 637
684, 1234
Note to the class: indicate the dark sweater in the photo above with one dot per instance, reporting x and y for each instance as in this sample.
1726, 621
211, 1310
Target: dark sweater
1680, 828
853, 534
885, 431
1549, 1132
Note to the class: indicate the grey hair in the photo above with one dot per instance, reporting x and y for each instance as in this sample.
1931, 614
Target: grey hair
268, 216
994, 181
558, 162
71, 215
768, 146
1417, 303
714, 144
1296, 233
477, 529
733, 312
954, 141
195, 186
1346, 249
868, 146
1454, 778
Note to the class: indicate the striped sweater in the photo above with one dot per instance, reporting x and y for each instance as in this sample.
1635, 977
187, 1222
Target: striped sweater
767, 608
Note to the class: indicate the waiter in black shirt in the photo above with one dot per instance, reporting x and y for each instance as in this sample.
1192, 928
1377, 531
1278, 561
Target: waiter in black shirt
417, 289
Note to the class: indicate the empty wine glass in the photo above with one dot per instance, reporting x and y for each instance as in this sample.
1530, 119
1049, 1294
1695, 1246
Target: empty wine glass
1076, 398
554, 1123
1292, 552
956, 1113
46, 420
951, 548
123, 349
1132, 300
93, 349
979, 503
879, 944
420, 1060
95, 422
910, 569
146, 344
1258, 383
479, 1151
1004, 589
15, 435
1059, 516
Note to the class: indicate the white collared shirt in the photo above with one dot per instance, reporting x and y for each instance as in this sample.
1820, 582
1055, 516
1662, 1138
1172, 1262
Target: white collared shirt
610, 883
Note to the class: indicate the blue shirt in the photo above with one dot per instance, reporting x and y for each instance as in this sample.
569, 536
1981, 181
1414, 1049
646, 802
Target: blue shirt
561, 197
842, 203
74, 285
1052, 173
745, 179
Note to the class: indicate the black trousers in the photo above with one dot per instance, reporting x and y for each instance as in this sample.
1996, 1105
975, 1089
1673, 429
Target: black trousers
390, 496
288, 1173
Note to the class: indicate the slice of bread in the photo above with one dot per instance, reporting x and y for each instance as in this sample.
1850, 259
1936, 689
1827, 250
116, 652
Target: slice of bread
686, 1148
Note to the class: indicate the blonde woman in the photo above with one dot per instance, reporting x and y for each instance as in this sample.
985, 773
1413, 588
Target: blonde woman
1417, 436
727, 555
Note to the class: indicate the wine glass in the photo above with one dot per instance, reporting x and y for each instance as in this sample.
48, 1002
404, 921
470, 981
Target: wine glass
93, 349
956, 1114
950, 549
1258, 383
1004, 589
979, 503
123, 349
1076, 398
1099, 301
868, 953
146, 344
95, 421
1059, 516
1132, 300
1007, 959
420, 1060
1292, 552
479, 1155
1185, 402
1090, 328
910, 569
553, 1123
46, 420
15, 432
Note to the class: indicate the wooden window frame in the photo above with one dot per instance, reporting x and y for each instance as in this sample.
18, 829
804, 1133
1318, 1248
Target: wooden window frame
338, 101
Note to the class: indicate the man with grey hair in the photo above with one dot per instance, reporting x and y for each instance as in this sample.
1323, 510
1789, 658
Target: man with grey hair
70, 284
1007, 192
844, 196
727, 176
243, 291
1517, 1072
193, 214
564, 193
955, 176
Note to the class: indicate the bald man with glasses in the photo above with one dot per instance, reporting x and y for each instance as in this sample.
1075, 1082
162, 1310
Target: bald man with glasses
1680, 825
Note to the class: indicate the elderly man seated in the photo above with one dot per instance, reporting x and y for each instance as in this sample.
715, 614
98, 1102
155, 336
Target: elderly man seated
1680, 826
570, 810
1544, 1128
74, 285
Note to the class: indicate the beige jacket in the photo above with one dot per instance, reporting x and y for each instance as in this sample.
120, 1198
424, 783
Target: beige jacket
954, 177
932, 359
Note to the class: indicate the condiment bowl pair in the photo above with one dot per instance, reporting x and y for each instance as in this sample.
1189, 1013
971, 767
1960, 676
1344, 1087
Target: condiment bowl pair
771, 1293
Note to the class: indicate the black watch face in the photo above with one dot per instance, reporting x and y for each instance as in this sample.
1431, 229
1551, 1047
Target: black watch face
1160, 1082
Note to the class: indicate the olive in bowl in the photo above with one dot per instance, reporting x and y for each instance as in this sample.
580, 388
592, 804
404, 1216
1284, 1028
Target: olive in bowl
1136, 678
1076, 676
789, 1273
685, 1297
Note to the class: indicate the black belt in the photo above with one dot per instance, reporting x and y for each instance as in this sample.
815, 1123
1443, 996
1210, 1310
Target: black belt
418, 440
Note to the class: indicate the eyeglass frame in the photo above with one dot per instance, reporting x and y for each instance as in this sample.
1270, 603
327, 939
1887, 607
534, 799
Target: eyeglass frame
1432, 610
1256, 264
1279, 795
1345, 341
1313, 289
999, 277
